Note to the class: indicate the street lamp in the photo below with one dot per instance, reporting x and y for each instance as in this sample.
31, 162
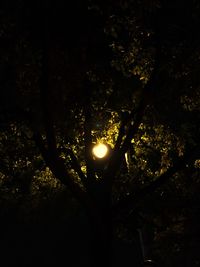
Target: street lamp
101, 153
100, 150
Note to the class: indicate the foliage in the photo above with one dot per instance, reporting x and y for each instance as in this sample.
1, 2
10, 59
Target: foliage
126, 75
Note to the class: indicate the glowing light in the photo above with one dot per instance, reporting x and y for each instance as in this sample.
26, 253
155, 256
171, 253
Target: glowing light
100, 150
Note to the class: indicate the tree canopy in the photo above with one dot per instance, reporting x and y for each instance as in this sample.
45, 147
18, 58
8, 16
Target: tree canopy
123, 73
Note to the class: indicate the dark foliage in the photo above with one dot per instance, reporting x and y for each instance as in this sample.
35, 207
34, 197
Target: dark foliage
124, 73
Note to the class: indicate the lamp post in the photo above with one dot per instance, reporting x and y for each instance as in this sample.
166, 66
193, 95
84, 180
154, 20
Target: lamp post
101, 153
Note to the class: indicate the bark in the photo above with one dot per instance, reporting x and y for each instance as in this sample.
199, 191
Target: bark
101, 239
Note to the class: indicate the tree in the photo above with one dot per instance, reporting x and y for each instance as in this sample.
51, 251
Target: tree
66, 84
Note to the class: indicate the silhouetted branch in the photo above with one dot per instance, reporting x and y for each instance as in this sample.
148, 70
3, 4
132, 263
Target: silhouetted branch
4, 169
130, 201
135, 117
76, 166
45, 87
48, 122
122, 132
117, 157
57, 166
88, 133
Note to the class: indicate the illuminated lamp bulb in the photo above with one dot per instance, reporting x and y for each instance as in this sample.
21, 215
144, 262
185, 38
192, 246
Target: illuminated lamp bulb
100, 150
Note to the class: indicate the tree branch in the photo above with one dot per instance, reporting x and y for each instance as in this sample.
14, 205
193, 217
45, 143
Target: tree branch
130, 201
4, 169
58, 168
117, 158
136, 114
48, 122
76, 166
88, 133
45, 87
121, 134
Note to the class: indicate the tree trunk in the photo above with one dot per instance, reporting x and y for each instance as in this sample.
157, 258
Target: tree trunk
101, 239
